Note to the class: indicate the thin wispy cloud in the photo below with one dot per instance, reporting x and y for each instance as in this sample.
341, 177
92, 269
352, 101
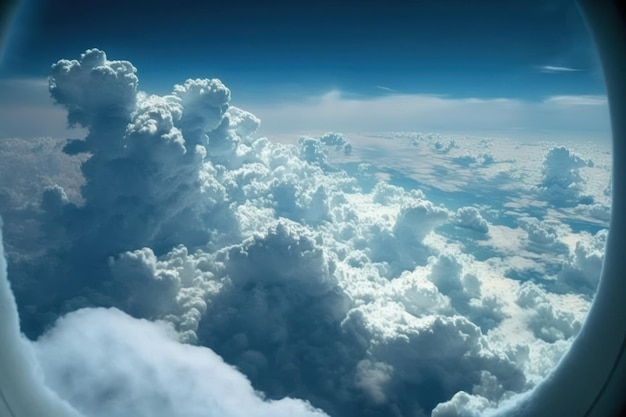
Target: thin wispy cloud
387, 89
578, 100
552, 69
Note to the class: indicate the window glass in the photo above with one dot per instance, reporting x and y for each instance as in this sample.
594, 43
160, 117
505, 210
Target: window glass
344, 209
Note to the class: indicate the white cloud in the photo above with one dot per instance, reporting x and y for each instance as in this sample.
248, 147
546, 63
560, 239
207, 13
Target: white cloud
335, 111
470, 218
415, 221
582, 269
553, 69
547, 321
146, 371
582, 100
539, 233
28, 100
461, 405
107, 364
382, 87
348, 292
94, 86
562, 182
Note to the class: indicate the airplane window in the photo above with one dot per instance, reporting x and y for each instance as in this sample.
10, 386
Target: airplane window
332, 209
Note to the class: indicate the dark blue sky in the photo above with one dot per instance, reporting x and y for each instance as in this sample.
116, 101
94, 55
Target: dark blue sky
261, 50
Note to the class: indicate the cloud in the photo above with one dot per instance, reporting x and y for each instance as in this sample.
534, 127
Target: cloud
64, 366
461, 405
583, 267
470, 218
416, 220
541, 236
562, 182
336, 140
582, 100
22, 391
387, 89
446, 147
420, 349
420, 112
580, 115
551, 69
278, 316
94, 86
183, 380
546, 321
598, 211
322, 285
204, 105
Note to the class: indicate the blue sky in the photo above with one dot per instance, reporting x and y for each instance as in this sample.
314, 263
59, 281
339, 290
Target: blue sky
479, 48
282, 51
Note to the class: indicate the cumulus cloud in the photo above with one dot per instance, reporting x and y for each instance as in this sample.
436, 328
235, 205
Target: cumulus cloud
461, 405
147, 373
599, 211
138, 154
204, 102
312, 150
146, 184
582, 269
65, 366
416, 220
94, 90
562, 182
543, 236
400, 246
444, 147
336, 140
546, 321
326, 290
470, 218
420, 349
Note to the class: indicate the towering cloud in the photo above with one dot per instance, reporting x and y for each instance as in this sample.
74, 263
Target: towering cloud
562, 181
581, 272
96, 92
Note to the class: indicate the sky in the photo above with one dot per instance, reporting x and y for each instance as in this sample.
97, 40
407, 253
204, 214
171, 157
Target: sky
286, 53
481, 49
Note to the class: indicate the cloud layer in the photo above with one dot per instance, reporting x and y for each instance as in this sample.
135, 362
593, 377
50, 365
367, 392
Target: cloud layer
559, 115
194, 246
